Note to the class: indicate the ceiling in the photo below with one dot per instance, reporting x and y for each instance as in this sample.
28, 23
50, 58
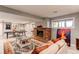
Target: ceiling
46, 10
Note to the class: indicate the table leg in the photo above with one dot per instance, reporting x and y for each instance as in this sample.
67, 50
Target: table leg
7, 35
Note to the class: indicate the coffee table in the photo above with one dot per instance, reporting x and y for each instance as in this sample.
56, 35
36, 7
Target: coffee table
24, 49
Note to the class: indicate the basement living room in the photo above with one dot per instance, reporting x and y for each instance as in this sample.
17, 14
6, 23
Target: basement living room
39, 29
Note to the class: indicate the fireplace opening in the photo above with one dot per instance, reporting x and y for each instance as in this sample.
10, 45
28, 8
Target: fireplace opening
39, 33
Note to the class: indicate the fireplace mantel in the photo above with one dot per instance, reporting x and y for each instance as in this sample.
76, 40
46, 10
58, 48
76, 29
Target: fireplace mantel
42, 34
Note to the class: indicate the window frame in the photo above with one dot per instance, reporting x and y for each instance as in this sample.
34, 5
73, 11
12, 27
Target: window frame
65, 20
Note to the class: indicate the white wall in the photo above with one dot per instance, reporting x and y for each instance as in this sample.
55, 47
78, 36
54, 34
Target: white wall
75, 31
1, 41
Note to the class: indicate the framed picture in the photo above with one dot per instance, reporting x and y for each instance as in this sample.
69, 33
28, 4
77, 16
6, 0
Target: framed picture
7, 26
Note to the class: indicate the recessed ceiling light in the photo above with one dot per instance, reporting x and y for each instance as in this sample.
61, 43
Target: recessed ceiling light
55, 11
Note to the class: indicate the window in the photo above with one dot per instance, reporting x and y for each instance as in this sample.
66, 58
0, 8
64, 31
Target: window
48, 24
29, 28
69, 23
65, 23
61, 24
55, 24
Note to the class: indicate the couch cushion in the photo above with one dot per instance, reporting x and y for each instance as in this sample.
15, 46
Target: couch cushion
51, 49
60, 43
63, 50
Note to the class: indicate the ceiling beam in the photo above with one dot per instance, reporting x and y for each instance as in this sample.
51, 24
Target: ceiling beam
17, 12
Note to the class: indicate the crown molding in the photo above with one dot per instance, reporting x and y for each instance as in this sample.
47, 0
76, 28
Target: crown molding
65, 16
26, 14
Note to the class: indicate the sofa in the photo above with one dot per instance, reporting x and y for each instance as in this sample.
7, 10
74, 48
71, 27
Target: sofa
60, 47
8, 48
